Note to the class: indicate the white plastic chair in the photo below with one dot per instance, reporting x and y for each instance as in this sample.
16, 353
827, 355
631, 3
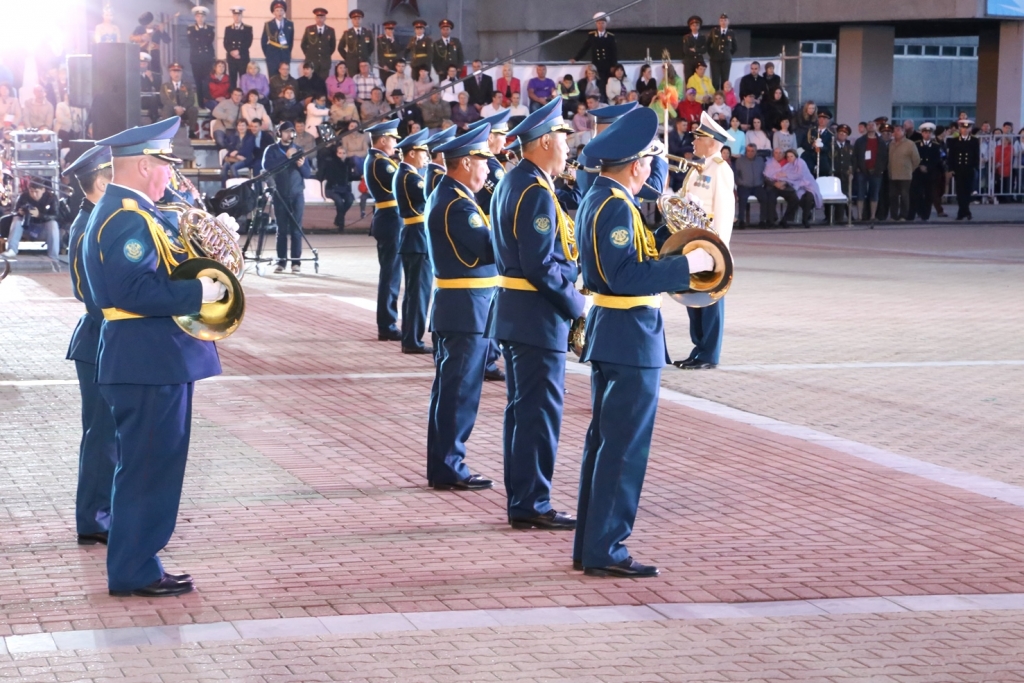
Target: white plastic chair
832, 193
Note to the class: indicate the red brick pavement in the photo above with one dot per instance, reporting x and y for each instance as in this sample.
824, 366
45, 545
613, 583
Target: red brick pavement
729, 512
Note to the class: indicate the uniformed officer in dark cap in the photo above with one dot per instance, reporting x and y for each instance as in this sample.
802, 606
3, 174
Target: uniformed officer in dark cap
436, 169
721, 48
147, 365
885, 133
625, 342
928, 174
356, 43
465, 277
536, 303
289, 196
409, 189
587, 173
695, 45
318, 43
818, 146
420, 49
963, 152
605, 52
97, 451
178, 98
842, 167
200, 51
148, 37
378, 172
278, 38
237, 41
387, 51
447, 49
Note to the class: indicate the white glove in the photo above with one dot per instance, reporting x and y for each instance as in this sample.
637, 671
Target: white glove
588, 303
700, 261
818, 144
695, 199
230, 222
212, 290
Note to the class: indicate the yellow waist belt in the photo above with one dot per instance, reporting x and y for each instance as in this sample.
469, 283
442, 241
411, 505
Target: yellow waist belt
388, 205
520, 283
467, 282
625, 302
119, 314
412, 221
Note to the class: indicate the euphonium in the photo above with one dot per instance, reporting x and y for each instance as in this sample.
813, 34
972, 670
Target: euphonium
213, 252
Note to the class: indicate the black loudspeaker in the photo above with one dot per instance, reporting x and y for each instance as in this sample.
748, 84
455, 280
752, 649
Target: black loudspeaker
79, 80
116, 101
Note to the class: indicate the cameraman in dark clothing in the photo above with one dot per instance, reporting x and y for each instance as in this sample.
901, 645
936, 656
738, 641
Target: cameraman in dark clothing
335, 171
36, 214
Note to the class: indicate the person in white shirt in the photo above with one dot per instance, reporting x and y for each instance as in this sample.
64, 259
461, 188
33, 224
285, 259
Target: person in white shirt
400, 80
518, 108
494, 107
316, 112
450, 89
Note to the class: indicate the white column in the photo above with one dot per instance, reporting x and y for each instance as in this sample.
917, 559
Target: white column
864, 68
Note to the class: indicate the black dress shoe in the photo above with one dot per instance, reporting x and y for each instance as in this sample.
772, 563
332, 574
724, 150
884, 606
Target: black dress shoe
418, 350
93, 539
699, 365
683, 364
577, 565
389, 335
495, 375
473, 482
161, 588
552, 520
627, 569
180, 578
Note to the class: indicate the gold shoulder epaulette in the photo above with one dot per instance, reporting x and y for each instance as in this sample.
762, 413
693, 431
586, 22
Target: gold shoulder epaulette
718, 160
619, 194
129, 204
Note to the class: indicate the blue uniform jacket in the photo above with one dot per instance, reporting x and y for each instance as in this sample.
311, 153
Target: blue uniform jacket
408, 189
529, 244
460, 247
434, 174
378, 171
292, 179
495, 172
651, 190
125, 271
272, 36
85, 340
618, 255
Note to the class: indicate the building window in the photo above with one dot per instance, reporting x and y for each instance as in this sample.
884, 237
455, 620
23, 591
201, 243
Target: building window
931, 50
915, 49
823, 48
949, 51
899, 49
807, 48
968, 51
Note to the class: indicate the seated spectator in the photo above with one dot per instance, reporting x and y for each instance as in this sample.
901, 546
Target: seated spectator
10, 108
516, 107
719, 110
570, 95
435, 111
645, 81
689, 108
343, 109
507, 85
252, 79
671, 85
336, 174
281, 80
789, 178
540, 89
341, 82
747, 111
407, 113
775, 109
749, 175
305, 141
727, 155
253, 109
739, 141
316, 112
227, 113
287, 108
616, 89
463, 113
590, 85
356, 148
582, 130
38, 112
700, 82
494, 106
375, 107
35, 215
759, 139
310, 85
594, 103
239, 145
400, 80
662, 103
261, 139
730, 95
422, 82
450, 87
782, 138
64, 124
218, 85
178, 99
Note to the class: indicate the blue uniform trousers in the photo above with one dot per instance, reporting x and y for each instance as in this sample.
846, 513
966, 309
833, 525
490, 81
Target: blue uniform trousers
493, 354
97, 455
535, 382
706, 328
419, 279
289, 206
618, 443
387, 230
454, 402
274, 57
153, 427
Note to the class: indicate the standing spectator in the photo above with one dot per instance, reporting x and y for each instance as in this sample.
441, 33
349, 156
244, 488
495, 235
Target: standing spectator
400, 80
689, 108
277, 38
237, 41
700, 82
356, 44
464, 115
729, 94
985, 145
343, 109
842, 167
447, 49
805, 121
289, 196
239, 146
749, 171
281, 80
310, 86
178, 99
753, 83
719, 111
388, 53
516, 107
540, 89
818, 146
318, 43
287, 108
494, 107
375, 107
927, 174
721, 48
480, 87
451, 87
885, 131
10, 108
341, 82
38, 112
590, 85
200, 51
365, 83
601, 44
616, 88
508, 84
336, 174
218, 84
316, 112
776, 109
227, 114
759, 139
436, 111
909, 132
738, 144
148, 37
962, 156
771, 79
782, 138
252, 79
420, 48
35, 212
64, 123
903, 159
870, 158
645, 81
695, 45
253, 109
747, 111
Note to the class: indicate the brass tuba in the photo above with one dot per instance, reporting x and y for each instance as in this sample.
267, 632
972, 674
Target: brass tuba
213, 252
691, 228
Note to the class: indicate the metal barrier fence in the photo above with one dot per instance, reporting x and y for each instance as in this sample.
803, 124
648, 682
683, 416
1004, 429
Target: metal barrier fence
1001, 168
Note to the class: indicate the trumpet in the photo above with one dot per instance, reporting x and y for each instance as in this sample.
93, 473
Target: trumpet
568, 174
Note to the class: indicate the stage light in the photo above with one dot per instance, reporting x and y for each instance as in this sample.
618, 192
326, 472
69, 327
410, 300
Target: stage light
34, 24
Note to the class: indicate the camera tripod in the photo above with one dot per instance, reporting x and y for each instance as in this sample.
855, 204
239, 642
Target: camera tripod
260, 227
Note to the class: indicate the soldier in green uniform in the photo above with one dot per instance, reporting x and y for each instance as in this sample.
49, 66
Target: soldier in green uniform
387, 51
447, 49
419, 49
842, 165
318, 43
356, 43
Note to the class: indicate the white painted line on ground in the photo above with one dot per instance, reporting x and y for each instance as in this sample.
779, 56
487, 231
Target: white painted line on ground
785, 367
350, 376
